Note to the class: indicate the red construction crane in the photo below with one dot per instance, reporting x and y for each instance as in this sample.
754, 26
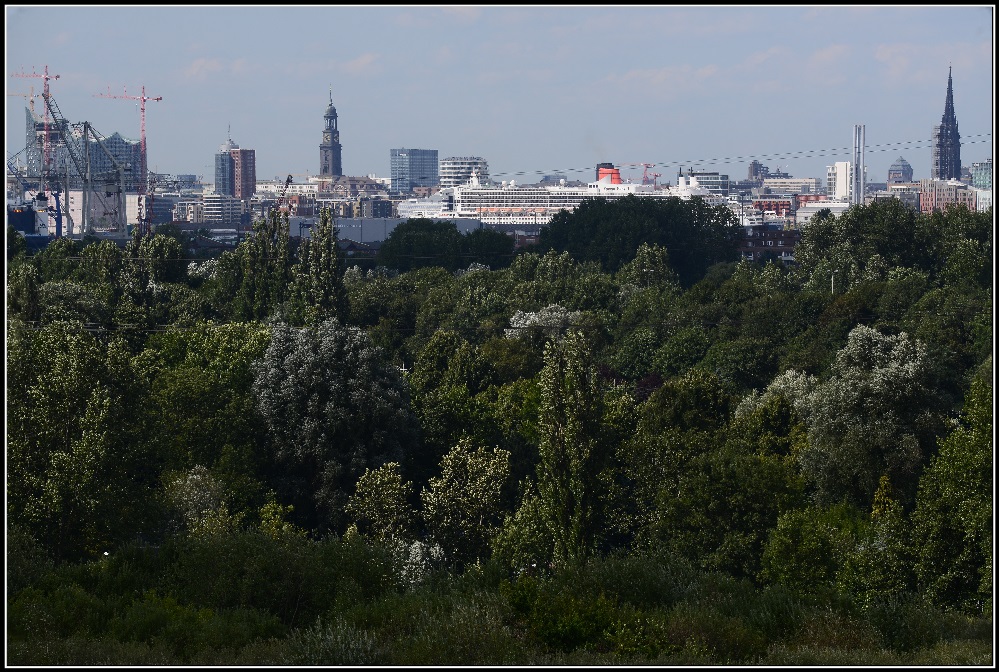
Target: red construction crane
142, 128
30, 96
46, 138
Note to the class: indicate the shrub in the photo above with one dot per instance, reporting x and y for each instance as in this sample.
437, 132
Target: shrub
332, 643
705, 631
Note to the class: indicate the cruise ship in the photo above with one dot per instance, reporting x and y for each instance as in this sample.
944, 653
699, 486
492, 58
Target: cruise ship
531, 207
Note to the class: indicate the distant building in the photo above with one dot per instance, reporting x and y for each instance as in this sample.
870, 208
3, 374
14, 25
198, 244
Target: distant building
809, 210
244, 173
235, 171
761, 241
981, 174
793, 185
984, 199
330, 150
899, 172
222, 209
225, 178
714, 182
839, 181
457, 170
937, 195
947, 141
413, 168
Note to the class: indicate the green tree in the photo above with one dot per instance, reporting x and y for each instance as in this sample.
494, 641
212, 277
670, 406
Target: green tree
952, 525
808, 547
610, 232
463, 507
318, 291
253, 281
79, 473
380, 504
418, 243
16, 245
488, 247
571, 456
879, 567
58, 260
332, 408
23, 291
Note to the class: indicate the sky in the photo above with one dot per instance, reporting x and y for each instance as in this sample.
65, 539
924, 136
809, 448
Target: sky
534, 90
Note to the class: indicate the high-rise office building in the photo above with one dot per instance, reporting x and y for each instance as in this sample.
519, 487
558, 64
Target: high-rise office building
947, 141
413, 168
235, 171
225, 181
244, 171
330, 151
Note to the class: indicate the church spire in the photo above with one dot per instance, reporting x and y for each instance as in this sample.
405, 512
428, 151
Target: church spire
948, 115
946, 139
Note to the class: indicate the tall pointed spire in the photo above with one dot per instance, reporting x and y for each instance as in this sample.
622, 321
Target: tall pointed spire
946, 139
948, 114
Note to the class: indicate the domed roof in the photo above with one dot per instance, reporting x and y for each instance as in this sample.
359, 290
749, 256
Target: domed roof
900, 164
330, 111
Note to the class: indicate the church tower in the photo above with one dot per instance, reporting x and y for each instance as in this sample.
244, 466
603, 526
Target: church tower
947, 141
330, 163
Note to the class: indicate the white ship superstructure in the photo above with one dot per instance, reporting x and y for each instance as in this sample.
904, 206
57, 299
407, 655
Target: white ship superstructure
534, 206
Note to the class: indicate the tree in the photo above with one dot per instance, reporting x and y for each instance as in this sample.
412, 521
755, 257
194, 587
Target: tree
252, 282
23, 291
879, 567
571, 456
808, 547
332, 408
318, 292
952, 525
418, 243
489, 247
463, 507
610, 232
380, 504
79, 473
16, 244
878, 413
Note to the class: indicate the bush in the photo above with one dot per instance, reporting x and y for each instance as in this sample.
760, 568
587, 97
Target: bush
65, 611
332, 643
906, 622
704, 630
186, 630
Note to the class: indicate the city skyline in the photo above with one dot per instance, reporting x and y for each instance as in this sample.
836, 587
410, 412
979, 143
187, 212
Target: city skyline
532, 91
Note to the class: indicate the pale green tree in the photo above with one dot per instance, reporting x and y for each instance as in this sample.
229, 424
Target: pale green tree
380, 504
463, 507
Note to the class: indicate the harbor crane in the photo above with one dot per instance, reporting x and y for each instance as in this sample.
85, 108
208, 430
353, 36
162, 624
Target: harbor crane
46, 137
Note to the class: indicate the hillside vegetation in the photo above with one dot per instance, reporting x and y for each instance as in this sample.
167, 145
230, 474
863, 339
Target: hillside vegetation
621, 446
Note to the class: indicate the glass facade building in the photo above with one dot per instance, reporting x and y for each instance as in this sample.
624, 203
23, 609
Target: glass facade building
413, 168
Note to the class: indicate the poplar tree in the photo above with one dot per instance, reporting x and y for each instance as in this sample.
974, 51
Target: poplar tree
567, 473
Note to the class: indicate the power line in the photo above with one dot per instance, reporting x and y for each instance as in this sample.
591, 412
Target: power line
794, 154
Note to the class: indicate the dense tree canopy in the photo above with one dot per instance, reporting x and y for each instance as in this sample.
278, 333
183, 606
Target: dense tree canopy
613, 442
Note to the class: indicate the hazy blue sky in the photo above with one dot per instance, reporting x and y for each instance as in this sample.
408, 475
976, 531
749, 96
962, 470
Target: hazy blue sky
533, 90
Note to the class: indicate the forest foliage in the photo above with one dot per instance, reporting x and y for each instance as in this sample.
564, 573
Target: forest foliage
623, 444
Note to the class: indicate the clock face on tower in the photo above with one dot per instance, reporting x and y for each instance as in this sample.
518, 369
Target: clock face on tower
326, 138
336, 136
